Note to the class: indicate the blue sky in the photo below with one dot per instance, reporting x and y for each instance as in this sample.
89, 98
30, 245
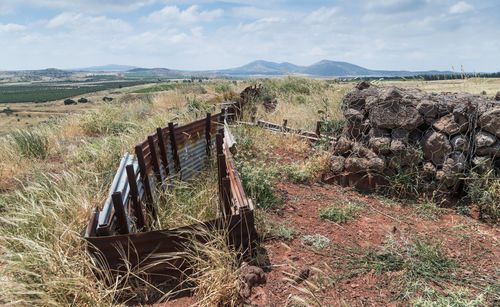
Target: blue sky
199, 35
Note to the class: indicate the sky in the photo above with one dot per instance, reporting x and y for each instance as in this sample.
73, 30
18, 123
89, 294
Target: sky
200, 35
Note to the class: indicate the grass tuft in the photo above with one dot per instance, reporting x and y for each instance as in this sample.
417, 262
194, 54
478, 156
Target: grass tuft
31, 144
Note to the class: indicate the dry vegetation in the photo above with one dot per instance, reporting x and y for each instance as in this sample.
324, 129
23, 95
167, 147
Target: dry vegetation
53, 174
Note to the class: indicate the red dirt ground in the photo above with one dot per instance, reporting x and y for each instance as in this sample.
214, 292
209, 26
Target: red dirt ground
464, 239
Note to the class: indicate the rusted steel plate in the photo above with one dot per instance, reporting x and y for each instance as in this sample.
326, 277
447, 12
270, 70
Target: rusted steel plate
154, 252
362, 181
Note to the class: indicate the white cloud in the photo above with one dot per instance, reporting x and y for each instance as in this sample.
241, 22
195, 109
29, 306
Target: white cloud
321, 15
191, 15
11, 27
460, 8
86, 6
77, 21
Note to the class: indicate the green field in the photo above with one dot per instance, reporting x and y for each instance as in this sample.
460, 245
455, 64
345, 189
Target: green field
43, 92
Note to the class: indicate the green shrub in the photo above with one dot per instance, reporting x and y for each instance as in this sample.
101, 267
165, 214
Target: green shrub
257, 178
484, 190
31, 144
106, 121
300, 99
286, 232
316, 240
338, 214
222, 87
298, 174
69, 102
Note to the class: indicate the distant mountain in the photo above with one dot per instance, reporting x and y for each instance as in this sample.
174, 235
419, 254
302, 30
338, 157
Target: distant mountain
106, 68
158, 72
324, 68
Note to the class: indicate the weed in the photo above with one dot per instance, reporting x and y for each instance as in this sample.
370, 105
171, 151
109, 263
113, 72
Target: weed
108, 120
196, 200
215, 266
257, 178
317, 241
196, 106
31, 144
484, 190
459, 297
286, 232
338, 214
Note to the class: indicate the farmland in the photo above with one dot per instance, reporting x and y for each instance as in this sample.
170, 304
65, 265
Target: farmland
43, 92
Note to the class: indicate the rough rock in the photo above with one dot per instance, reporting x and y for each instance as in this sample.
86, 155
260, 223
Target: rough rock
490, 121
497, 96
342, 146
453, 167
250, 277
482, 164
392, 114
484, 139
380, 145
448, 125
355, 125
429, 169
493, 151
364, 159
337, 164
435, 146
460, 143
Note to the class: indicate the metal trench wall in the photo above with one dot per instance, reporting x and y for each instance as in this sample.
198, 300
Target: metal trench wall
118, 234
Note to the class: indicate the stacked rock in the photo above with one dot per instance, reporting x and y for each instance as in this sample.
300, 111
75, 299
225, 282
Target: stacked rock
444, 135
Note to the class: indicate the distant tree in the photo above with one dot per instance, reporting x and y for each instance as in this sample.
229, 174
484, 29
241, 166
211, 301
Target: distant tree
107, 99
83, 100
68, 102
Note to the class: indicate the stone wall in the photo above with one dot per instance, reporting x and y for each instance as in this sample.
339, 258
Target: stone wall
444, 135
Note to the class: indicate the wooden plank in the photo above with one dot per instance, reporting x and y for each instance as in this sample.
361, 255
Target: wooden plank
208, 136
163, 151
154, 159
122, 220
134, 198
226, 196
145, 181
318, 129
173, 146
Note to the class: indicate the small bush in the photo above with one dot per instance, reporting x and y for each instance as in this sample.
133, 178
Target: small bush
300, 99
484, 190
257, 178
31, 144
68, 102
222, 87
83, 100
286, 232
337, 214
316, 240
106, 121
107, 99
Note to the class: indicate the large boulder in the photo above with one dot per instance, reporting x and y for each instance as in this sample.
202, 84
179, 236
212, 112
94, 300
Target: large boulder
392, 114
460, 143
490, 121
435, 146
448, 125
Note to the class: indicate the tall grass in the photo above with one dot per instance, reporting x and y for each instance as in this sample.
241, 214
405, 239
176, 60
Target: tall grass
31, 144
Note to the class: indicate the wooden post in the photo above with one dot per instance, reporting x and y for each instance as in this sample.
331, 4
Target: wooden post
285, 122
145, 181
226, 196
134, 197
219, 143
173, 146
163, 151
208, 136
154, 159
120, 213
318, 129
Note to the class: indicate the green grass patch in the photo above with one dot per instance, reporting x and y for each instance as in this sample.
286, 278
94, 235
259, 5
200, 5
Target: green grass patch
338, 214
30, 144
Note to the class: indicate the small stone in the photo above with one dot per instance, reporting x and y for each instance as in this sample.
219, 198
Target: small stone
435, 146
497, 96
337, 164
460, 143
484, 139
